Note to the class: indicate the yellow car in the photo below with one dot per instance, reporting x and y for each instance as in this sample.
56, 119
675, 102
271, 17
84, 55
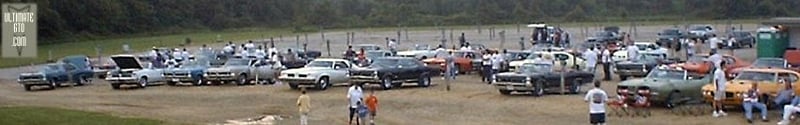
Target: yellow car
767, 78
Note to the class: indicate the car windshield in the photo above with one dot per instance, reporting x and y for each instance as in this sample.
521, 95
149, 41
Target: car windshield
320, 64
365, 47
237, 62
769, 63
740, 34
374, 54
667, 74
384, 63
515, 55
669, 32
756, 76
533, 56
535, 68
652, 56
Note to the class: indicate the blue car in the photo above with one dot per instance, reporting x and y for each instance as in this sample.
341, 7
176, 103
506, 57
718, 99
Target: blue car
188, 72
73, 69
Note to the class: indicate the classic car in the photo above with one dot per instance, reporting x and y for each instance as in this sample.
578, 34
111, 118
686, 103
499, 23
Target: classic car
464, 60
558, 56
699, 63
390, 72
374, 54
320, 74
101, 66
133, 71
604, 37
242, 72
741, 39
366, 47
188, 72
701, 31
539, 77
516, 55
53, 75
641, 66
670, 38
670, 85
420, 52
766, 62
297, 62
644, 47
767, 79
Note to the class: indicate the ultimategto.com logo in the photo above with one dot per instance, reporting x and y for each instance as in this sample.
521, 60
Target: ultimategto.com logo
19, 30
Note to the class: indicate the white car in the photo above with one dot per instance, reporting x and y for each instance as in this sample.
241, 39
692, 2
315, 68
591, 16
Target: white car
132, 71
320, 74
703, 31
418, 52
569, 59
644, 47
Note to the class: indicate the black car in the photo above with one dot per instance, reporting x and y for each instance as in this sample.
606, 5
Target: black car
392, 72
539, 77
642, 66
742, 39
604, 36
669, 37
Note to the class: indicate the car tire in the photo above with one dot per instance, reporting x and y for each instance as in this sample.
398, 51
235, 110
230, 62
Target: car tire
81, 80
241, 80
575, 87
386, 83
27, 87
142, 82
198, 82
539, 88
505, 92
115, 86
424, 80
294, 86
53, 84
323, 83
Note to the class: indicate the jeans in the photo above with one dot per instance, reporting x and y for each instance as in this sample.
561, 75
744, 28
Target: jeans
784, 97
353, 115
788, 111
748, 109
606, 71
487, 73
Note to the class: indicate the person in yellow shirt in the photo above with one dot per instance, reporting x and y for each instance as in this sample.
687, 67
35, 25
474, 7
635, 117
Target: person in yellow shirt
304, 106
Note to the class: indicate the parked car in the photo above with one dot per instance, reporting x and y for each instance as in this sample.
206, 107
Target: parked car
374, 54
539, 77
701, 31
766, 62
321, 74
53, 75
604, 37
366, 47
741, 39
571, 60
188, 72
463, 59
766, 78
100, 67
644, 47
390, 72
420, 52
133, 72
669, 85
642, 66
293, 60
699, 63
242, 72
670, 38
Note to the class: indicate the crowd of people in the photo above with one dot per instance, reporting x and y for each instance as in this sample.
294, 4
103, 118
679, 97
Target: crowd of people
176, 57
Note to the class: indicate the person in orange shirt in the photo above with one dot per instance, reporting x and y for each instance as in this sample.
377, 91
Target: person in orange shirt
372, 105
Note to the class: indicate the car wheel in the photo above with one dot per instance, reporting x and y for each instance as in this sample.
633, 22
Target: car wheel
271, 81
323, 83
114, 86
143, 82
575, 88
53, 84
198, 82
81, 80
505, 92
670, 102
294, 86
539, 88
241, 80
27, 87
424, 80
386, 83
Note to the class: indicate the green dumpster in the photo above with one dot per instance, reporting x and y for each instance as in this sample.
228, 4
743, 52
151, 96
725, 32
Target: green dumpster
771, 43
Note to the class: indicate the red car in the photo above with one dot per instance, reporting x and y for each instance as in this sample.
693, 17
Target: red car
700, 64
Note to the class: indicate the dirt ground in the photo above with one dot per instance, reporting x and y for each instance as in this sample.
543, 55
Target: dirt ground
470, 102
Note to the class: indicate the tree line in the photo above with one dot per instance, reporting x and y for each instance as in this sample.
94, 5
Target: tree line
72, 20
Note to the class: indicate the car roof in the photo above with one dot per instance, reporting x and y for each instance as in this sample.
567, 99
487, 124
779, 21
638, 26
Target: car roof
365, 45
770, 70
397, 58
329, 59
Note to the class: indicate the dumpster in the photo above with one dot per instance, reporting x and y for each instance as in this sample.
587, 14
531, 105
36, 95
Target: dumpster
771, 42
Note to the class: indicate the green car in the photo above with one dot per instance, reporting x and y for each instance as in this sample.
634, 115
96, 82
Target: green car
668, 85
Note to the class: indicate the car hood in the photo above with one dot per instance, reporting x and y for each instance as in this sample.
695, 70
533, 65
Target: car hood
520, 62
413, 52
306, 70
127, 62
515, 74
434, 60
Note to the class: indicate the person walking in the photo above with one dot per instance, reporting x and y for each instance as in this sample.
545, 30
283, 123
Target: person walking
355, 97
591, 60
751, 101
450, 66
487, 67
596, 98
372, 105
719, 82
605, 58
633, 52
304, 106
690, 48
714, 43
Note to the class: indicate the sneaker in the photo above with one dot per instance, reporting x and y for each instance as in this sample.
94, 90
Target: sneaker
764, 119
715, 114
722, 113
783, 122
750, 121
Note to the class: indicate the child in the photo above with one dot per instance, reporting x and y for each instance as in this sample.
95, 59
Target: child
362, 111
372, 105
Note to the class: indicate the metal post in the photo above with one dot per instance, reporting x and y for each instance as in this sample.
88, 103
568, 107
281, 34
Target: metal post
451, 36
271, 42
563, 68
518, 25
502, 38
297, 41
405, 30
352, 37
321, 33
328, 43
347, 38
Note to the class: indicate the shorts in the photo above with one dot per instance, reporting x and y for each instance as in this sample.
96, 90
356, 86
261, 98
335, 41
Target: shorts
719, 95
597, 118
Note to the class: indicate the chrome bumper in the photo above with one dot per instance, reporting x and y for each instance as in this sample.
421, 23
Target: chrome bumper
513, 86
122, 80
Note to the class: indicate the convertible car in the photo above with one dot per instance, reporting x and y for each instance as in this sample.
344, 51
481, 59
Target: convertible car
539, 77
670, 85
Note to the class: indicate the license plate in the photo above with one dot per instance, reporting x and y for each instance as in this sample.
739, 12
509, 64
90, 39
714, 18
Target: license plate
175, 80
509, 87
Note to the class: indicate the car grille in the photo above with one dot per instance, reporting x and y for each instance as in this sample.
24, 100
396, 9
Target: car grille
31, 77
218, 73
632, 89
511, 79
729, 94
176, 74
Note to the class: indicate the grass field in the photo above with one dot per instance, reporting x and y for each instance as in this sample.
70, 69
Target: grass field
54, 116
141, 43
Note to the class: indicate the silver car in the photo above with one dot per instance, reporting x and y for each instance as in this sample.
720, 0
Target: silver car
242, 71
320, 73
132, 71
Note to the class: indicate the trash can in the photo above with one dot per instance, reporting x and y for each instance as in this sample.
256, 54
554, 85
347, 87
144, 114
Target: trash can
771, 43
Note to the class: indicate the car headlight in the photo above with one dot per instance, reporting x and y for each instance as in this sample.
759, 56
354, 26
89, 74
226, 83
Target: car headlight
732, 75
644, 68
528, 82
233, 74
708, 93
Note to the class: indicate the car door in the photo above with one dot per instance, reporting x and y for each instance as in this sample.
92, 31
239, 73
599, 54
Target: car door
408, 69
68, 72
153, 73
339, 72
263, 70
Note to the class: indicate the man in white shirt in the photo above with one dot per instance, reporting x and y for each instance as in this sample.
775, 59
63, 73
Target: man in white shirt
715, 58
633, 52
750, 101
719, 82
605, 58
272, 49
260, 53
690, 46
185, 54
596, 98
354, 97
591, 60
714, 43
497, 61
172, 63
154, 53
441, 52
176, 54
250, 45
487, 67
228, 49
464, 48
393, 46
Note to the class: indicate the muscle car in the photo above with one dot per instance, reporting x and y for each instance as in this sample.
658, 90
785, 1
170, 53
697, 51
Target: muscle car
420, 52
670, 85
390, 72
571, 60
700, 64
766, 62
641, 66
241, 71
188, 72
539, 77
767, 79
644, 47
464, 61
53, 75
132, 71
320, 74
